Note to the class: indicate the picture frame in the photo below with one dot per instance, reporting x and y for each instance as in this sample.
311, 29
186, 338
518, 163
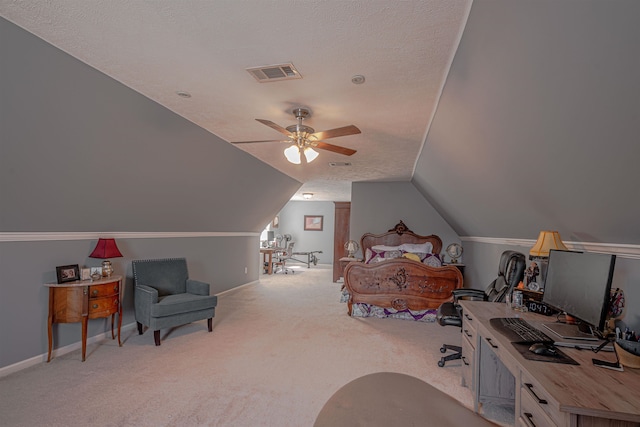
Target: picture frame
276, 222
68, 273
96, 273
85, 274
313, 222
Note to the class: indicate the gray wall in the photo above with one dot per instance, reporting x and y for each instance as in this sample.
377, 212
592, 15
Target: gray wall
481, 260
292, 222
538, 123
537, 129
82, 155
378, 206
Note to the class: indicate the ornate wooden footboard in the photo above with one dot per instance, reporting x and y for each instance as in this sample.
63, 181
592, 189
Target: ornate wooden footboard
400, 284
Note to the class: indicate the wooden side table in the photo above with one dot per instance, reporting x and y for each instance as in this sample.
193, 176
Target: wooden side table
346, 260
80, 301
457, 265
267, 259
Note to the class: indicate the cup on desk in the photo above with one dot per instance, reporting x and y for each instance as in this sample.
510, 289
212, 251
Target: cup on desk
517, 300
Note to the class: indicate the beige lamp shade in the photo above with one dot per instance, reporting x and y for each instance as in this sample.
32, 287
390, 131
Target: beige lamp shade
547, 240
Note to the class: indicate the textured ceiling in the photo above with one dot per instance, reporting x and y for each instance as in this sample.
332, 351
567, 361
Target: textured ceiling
403, 48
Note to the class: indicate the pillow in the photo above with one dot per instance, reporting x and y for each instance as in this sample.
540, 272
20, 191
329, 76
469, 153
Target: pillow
432, 260
417, 247
367, 256
372, 255
411, 256
385, 248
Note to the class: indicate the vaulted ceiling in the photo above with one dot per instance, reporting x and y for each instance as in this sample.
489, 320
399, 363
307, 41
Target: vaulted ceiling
161, 47
509, 117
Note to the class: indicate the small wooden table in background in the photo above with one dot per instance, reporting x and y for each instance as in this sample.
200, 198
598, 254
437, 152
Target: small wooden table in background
267, 257
80, 301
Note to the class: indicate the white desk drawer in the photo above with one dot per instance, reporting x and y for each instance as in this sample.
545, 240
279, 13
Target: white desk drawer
536, 396
531, 412
468, 351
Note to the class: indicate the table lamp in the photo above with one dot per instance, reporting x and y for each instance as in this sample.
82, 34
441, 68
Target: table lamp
547, 240
352, 247
106, 248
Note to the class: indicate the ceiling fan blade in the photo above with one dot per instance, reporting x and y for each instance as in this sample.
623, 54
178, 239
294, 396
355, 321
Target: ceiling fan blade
265, 140
332, 133
275, 126
330, 147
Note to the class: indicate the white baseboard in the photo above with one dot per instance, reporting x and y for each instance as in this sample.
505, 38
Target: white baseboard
255, 282
59, 351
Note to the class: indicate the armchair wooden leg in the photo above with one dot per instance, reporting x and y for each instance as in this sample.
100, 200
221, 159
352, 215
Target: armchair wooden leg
156, 337
140, 331
210, 324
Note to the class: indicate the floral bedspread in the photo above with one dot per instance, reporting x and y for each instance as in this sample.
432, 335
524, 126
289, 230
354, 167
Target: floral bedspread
368, 310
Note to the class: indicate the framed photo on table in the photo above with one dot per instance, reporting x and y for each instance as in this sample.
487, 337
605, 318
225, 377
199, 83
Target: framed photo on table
313, 222
68, 273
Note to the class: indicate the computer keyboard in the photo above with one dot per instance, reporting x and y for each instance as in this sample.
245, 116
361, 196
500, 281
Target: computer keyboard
519, 330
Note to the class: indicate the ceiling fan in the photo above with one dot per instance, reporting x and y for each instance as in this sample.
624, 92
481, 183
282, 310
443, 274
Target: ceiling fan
304, 139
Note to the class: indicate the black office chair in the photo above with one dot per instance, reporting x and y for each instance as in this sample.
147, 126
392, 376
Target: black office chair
510, 273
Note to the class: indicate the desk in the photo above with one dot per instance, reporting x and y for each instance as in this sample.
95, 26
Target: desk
543, 393
80, 301
267, 259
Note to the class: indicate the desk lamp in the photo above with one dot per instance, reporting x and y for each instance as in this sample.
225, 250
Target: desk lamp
106, 248
547, 240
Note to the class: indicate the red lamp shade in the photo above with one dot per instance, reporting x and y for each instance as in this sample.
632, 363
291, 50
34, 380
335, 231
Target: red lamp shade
106, 248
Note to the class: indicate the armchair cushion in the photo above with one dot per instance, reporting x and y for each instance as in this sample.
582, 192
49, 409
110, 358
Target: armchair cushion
182, 303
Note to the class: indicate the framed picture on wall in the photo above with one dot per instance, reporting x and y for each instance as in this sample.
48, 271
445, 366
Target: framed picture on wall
313, 222
276, 222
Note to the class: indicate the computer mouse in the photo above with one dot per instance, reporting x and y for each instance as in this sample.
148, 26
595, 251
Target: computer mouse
543, 349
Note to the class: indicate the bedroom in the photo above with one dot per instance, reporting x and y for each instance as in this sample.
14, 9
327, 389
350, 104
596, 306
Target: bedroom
490, 174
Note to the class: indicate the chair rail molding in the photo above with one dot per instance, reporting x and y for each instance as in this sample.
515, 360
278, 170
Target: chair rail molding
620, 250
87, 235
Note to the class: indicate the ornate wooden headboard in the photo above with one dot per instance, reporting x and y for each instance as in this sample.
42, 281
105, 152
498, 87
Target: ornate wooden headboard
398, 235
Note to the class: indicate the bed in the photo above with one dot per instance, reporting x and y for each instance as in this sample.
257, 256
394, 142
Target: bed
401, 276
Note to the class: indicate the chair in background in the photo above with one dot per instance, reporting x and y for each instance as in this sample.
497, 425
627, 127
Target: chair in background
282, 255
165, 297
510, 273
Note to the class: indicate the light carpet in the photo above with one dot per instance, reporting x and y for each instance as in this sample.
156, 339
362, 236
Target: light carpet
278, 351
391, 399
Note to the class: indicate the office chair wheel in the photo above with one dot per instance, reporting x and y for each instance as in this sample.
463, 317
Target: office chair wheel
443, 349
441, 362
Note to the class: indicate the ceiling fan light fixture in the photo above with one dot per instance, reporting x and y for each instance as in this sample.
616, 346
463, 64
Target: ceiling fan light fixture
310, 154
292, 154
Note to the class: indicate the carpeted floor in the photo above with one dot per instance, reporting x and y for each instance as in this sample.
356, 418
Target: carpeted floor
278, 351
391, 399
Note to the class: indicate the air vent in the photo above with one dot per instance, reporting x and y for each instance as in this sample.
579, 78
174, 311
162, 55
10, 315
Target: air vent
338, 164
274, 73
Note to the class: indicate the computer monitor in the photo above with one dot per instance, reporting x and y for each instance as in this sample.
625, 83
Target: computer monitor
579, 284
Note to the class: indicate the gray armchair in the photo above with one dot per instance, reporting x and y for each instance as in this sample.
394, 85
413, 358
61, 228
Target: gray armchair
165, 297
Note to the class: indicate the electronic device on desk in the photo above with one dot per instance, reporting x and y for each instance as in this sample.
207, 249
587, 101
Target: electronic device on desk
579, 284
539, 307
519, 330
